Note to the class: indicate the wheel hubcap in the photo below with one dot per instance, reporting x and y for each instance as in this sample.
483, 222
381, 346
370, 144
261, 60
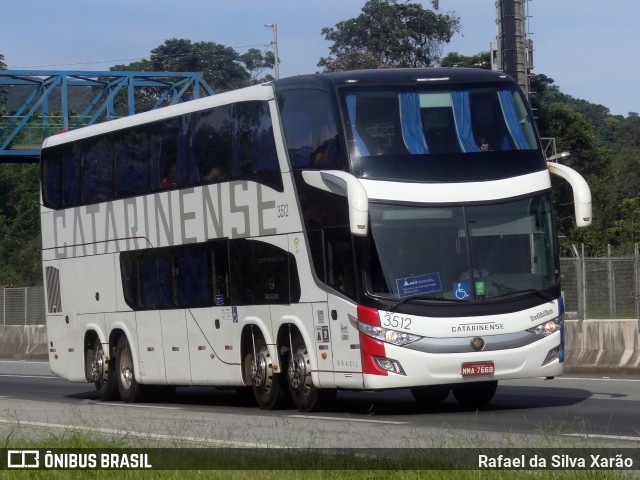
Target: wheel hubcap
297, 371
97, 372
259, 371
126, 371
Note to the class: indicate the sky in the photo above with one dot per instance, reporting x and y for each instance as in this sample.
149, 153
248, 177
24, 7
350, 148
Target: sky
589, 47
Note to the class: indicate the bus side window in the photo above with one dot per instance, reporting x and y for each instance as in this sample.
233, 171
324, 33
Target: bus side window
254, 154
163, 146
97, 171
310, 129
131, 163
193, 279
339, 260
156, 280
260, 274
52, 177
71, 176
211, 145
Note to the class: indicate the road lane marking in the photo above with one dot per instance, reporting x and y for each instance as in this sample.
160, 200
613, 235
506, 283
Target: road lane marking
343, 419
605, 379
602, 436
26, 376
149, 436
129, 405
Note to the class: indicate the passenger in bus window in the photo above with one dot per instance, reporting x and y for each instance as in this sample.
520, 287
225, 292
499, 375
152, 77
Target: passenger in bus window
484, 145
169, 180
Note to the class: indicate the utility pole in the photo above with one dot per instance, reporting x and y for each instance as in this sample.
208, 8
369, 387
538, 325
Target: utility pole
513, 51
274, 26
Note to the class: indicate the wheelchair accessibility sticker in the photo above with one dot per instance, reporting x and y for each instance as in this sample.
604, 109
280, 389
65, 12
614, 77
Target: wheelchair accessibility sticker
462, 291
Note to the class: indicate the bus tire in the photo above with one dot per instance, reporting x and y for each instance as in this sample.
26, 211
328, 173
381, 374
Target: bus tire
130, 390
476, 393
431, 393
269, 389
306, 396
101, 372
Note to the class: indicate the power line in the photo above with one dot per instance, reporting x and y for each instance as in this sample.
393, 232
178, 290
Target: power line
94, 62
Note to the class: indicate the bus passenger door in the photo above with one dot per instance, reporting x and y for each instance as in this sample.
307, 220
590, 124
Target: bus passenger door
340, 275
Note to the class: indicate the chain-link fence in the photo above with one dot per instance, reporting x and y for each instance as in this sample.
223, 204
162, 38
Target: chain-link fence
22, 306
593, 287
601, 287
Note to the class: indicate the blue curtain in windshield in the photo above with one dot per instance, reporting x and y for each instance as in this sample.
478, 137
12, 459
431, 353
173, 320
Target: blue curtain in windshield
462, 115
411, 123
361, 148
513, 122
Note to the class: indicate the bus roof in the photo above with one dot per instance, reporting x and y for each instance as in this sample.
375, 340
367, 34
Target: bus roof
402, 76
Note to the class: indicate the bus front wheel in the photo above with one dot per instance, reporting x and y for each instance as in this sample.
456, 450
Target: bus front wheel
130, 390
474, 394
431, 393
306, 396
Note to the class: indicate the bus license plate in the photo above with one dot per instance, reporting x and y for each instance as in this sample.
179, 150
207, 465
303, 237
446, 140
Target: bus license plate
477, 368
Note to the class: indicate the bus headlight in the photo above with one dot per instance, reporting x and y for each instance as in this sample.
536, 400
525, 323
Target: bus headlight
548, 327
387, 335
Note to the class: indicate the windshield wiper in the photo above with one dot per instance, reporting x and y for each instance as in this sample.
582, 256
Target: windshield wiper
420, 297
541, 294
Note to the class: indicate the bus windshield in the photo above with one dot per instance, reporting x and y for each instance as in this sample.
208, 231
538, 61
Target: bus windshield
463, 133
462, 253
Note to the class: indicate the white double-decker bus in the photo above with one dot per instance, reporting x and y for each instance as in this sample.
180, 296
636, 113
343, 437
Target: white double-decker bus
359, 230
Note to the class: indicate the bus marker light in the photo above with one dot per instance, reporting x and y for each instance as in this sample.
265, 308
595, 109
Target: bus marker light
552, 355
390, 365
324, 355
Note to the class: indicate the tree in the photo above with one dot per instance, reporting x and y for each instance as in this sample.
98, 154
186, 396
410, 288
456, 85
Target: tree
389, 33
19, 225
223, 68
574, 133
257, 62
3, 93
480, 60
626, 231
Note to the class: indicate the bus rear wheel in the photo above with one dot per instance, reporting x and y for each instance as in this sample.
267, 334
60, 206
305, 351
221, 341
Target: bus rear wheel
474, 394
130, 390
306, 396
268, 387
101, 372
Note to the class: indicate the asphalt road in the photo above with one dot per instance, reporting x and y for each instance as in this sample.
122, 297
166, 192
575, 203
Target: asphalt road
567, 411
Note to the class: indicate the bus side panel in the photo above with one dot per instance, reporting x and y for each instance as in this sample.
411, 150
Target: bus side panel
150, 350
214, 352
175, 344
58, 346
347, 361
76, 329
313, 323
89, 283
